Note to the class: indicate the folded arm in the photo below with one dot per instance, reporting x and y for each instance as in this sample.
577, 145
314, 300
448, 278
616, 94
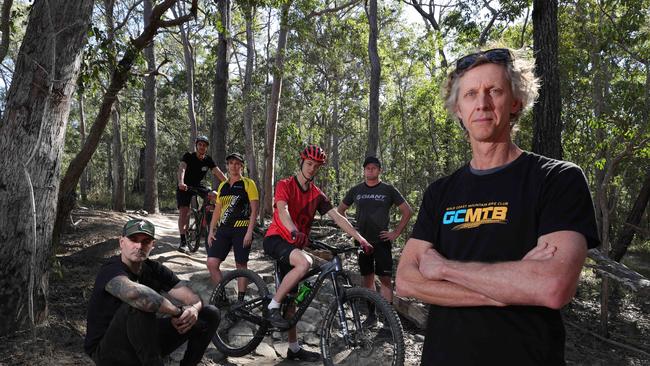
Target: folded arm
410, 282
549, 282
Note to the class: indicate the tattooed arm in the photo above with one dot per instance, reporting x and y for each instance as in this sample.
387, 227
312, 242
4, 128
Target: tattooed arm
193, 304
140, 296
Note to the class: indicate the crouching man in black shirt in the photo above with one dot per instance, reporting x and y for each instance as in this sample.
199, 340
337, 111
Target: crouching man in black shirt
123, 326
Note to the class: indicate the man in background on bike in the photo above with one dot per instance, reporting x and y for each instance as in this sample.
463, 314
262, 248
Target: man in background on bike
191, 171
235, 211
123, 327
296, 201
374, 199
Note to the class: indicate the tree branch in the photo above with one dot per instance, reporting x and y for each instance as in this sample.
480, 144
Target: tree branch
332, 10
126, 17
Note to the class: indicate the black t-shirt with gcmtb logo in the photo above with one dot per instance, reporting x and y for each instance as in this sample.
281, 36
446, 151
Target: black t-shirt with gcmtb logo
494, 218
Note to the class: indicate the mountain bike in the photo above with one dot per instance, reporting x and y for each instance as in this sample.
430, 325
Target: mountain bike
348, 334
197, 229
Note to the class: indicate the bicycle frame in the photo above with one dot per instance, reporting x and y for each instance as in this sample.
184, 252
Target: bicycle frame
329, 270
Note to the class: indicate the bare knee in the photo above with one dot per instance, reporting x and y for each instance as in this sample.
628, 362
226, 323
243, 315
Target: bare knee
213, 263
300, 261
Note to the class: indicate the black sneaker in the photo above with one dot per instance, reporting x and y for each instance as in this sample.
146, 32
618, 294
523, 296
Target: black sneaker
303, 355
276, 319
182, 247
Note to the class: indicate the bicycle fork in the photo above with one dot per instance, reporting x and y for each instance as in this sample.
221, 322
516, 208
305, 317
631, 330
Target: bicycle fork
338, 293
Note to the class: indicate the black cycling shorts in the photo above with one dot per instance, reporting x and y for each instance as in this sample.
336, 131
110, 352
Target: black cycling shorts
379, 262
226, 238
183, 198
278, 248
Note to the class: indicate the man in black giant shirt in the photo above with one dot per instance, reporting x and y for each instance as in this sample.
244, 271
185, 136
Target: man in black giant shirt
122, 327
191, 171
498, 245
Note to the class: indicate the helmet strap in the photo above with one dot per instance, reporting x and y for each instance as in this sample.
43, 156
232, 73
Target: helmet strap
302, 161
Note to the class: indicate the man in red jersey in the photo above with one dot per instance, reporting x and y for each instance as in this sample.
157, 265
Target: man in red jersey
296, 201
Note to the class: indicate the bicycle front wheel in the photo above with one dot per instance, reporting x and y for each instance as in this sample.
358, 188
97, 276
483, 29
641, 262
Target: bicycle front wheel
192, 230
367, 331
194, 242
241, 298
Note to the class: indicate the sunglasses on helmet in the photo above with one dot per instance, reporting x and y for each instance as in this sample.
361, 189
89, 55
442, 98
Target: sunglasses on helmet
495, 55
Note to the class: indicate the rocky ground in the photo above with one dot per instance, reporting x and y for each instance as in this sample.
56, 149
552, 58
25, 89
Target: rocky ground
60, 340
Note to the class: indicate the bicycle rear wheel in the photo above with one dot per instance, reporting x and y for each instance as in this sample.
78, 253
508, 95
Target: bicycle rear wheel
367, 342
194, 242
242, 326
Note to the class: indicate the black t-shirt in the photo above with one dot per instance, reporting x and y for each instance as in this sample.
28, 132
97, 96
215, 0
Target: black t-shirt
373, 207
196, 168
102, 305
493, 218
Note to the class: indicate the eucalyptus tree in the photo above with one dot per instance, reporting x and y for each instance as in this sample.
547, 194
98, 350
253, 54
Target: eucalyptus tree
188, 58
221, 78
273, 109
548, 108
375, 76
31, 142
5, 28
249, 9
117, 163
151, 124
116, 84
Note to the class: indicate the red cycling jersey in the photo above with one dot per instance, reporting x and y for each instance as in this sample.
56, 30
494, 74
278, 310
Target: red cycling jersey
302, 207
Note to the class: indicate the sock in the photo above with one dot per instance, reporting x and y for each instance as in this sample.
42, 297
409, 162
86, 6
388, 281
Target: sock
240, 296
274, 304
294, 346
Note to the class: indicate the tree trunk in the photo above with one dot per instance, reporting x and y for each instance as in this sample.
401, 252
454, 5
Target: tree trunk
83, 184
117, 82
274, 109
249, 134
375, 76
32, 136
634, 218
336, 140
547, 137
117, 162
138, 180
151, 124
5, 28
188, 57
600, 106
220, 124
118, 195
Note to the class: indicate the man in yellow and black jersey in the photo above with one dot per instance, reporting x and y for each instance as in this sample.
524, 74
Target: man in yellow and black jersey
235, 212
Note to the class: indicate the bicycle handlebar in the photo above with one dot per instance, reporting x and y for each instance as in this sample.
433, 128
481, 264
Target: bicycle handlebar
200, 190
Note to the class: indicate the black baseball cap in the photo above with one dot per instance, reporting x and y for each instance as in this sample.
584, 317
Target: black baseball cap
237, 156
137, 226
372, 160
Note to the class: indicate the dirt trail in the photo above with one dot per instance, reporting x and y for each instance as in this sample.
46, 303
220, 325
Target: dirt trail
60, 340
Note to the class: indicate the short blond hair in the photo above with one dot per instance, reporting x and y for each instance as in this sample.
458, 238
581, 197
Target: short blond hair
520, 72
